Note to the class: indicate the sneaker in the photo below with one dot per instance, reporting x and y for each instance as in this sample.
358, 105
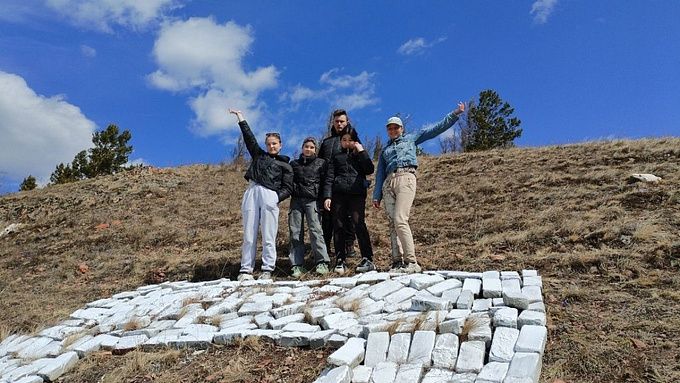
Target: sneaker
365, 266
397, 267
265, 275
244, 277
322, 268
298, 271
340, 267
412, 267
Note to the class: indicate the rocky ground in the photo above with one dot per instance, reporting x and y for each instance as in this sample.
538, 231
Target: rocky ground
608, 251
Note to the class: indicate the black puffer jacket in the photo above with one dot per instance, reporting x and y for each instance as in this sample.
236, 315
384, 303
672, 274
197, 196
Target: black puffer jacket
330, 146
347, 173
308, 174
271, 171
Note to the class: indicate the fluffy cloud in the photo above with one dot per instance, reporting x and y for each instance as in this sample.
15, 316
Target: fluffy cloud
339, 90
88, 51
417, 46
200, 55
103, 14
37, 132
542, 9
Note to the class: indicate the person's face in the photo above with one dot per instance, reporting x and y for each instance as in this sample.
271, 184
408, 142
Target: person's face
308, 149
394, 131
347, 142
340, 122
273, 145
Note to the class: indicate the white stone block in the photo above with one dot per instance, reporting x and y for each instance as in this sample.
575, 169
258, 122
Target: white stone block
348, 282
505, 317
537, 306
481, 305
503, 345
491, 288
423, 281
511, 285
453, 294
421, 348
533, 281
446, 285
528, 317
373, 277
29, 379
524, 368
301, 327
399, 348
278, 324
236, 322
498, 302
532, 293
428, 303
320, 338
336, 340
32, 350
401, 295
493, 372
262, 320
481, 331
409, 373
351, 354
339, 321
471, 357
445, 351
376, 348
253, 308
361, 374
437, 375
228, 305
342, 374
465, 300
532, 339
384, 372
509, 275
381, 290
58, 366
294, 339
473, 285
515, 298
128, 343
529, 273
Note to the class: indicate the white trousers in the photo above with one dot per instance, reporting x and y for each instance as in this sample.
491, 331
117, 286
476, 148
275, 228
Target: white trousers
259, 209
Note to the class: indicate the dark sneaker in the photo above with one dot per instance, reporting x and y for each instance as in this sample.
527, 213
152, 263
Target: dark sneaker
265, 275
322, 269
365, 266
340, 267
298, 271
397, 267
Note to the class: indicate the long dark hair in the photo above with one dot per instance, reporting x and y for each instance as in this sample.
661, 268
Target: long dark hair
352, 133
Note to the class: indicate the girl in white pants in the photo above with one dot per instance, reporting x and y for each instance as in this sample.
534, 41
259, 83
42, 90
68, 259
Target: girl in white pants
270, 179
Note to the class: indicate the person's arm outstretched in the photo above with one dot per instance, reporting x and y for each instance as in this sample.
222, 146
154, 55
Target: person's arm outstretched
248, 137
448, 121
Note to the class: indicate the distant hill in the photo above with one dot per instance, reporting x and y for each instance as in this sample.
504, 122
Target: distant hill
608, 250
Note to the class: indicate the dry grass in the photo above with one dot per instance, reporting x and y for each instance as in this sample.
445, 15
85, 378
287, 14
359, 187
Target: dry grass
567, 211
132, 324
471, 323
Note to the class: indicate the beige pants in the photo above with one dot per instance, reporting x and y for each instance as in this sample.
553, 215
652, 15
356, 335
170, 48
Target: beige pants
399, 190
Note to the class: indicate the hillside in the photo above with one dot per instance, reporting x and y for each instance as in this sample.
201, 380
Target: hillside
608, 250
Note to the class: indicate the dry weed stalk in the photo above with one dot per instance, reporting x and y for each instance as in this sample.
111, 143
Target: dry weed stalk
394, 326
471, 323
132, 324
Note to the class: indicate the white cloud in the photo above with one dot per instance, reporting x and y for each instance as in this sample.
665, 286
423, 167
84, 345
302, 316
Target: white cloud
102, 15
200, 55
340, 90
38, 132
417, 46
88, 51
542, 9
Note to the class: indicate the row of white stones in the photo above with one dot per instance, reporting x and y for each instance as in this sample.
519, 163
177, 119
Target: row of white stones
291, 313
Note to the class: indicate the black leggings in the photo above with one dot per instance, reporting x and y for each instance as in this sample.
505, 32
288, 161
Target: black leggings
354, 206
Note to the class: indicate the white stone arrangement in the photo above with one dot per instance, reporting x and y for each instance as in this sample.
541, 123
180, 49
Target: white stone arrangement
437, 326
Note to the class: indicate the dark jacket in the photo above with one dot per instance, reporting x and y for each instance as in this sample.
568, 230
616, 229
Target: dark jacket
308, 174
271, 171
330, 146
347, 173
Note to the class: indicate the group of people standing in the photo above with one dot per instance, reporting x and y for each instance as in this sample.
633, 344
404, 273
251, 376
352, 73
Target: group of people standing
329, 192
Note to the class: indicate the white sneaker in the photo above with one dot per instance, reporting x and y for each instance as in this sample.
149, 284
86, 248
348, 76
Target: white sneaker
265, 275
244, 277
412, 268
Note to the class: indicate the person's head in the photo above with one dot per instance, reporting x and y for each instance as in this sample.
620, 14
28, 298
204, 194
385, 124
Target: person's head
395, 127
349, 137
273, 143
339, 120
309, 147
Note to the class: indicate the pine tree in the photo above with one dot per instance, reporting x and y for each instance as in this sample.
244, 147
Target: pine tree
490, 124
28, 183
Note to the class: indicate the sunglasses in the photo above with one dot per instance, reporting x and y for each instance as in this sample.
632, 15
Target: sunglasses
273, 134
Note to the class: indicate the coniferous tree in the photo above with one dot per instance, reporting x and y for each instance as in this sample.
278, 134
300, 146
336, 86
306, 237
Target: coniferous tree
490, 124
28, 183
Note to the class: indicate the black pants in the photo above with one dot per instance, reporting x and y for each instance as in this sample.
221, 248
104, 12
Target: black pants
327, 227
354, 206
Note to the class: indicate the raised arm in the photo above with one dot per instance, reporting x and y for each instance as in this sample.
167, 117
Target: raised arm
248, 137
448, 121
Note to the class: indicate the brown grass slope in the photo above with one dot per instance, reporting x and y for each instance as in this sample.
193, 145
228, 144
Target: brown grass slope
609, 251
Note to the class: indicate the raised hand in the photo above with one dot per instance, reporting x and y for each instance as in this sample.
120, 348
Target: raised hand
238, 114
460, 109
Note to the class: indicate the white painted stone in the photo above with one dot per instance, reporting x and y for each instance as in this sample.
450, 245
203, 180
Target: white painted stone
236, 322
505, 317
423, 281
529, 273
227, 336
532, 293
273, 335
368, 306
253, 308
452, 294
503, 345
316, 313
262, 320
347, 282
524, 368
449, 284
400, 295
373, 277
30, 379
473, 285
532, 339
409, 373
380, 290
336, 340
471, 357
351, 354
533, 281
425, 303
493, 372
498, 302
421, 348
399, 348
331, 289
128, 343
278, 324
339, 321
445, 351
437, 375
453, 326
528, 317
106, 341
511, 285
228, 305
342, 374
537, 306
361, 374
481, 305
354, 331
294, 339
509, 275
301, 327
376, 348
58, 366
491, 288
384, 372
481, 331
32, 350
320, 338
515, 298
491, 274
465, 300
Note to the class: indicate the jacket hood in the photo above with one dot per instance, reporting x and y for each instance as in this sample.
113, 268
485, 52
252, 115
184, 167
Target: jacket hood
305, 159
280, 157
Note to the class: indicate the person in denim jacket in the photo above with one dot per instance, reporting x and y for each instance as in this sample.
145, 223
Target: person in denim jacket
395, 182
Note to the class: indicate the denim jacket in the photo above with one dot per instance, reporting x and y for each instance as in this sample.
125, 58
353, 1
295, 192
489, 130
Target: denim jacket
401, 151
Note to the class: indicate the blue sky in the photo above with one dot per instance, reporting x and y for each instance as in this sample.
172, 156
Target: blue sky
167, 70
